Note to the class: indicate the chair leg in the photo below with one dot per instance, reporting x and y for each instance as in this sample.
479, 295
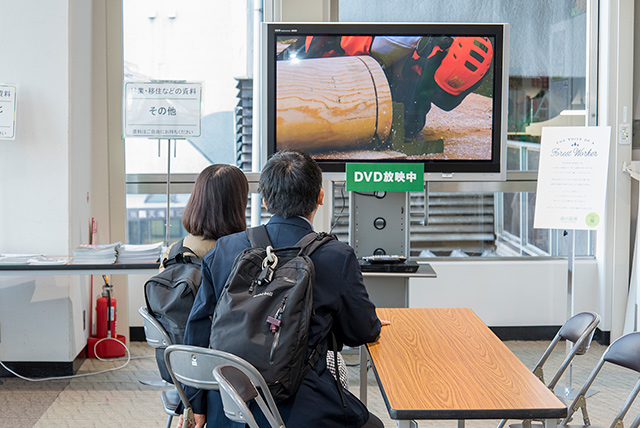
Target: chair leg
169, 420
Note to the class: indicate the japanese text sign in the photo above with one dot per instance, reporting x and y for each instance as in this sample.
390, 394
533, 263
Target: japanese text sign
162, 109
572, 177
7, 112
385, 177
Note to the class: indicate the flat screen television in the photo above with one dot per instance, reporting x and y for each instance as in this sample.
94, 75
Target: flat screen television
431, 93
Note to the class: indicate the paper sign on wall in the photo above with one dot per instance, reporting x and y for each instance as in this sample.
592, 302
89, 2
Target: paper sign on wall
572, 177
162, 109
7, 112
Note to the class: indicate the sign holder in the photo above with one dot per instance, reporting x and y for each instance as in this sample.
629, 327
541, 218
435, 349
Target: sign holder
167, 223
163, 109
571, 196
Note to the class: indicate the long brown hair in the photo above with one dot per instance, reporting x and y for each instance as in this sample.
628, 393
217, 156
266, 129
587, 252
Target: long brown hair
218, 202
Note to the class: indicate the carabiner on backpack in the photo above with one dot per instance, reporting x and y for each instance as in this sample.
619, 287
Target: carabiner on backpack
268, 267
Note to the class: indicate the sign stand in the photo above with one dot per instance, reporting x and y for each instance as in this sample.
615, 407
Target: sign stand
571, 194
568, 391
167, 223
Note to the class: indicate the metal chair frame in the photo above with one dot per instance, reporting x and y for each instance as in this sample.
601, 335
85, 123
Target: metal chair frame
236, 390
194, 366
579, 330
623, 352
157, 337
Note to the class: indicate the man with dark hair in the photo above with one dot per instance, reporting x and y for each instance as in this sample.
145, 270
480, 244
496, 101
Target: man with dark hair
291, 186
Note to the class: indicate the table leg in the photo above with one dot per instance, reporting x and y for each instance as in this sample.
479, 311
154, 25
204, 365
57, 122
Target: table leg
460, 423
363, 375
550, 423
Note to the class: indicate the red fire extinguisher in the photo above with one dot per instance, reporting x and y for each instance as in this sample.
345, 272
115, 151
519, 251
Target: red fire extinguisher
106, 311
105, 343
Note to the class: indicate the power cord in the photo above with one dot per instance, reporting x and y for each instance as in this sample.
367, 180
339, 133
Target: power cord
128, 359
376, 194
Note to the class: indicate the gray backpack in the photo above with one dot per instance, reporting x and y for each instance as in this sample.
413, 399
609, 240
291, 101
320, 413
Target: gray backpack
265, 308
170, 294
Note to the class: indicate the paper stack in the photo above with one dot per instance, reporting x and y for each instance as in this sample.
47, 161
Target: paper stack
98, 254
149, 253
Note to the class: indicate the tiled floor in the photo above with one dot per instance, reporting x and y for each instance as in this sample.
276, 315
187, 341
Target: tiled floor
118, 399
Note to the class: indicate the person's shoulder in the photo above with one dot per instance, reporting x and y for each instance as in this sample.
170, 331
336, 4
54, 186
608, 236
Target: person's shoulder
229, 243
335, 247
198, 245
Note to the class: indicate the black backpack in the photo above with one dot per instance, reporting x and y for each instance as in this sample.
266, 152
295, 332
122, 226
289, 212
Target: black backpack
169, 296
265, 308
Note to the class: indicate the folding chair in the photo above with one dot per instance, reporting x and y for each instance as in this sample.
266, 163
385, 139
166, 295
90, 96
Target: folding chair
624, 352
579, 330
158, 338
193, 366
236, 389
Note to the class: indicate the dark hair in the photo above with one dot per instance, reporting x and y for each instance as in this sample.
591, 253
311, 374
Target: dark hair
290, 183
218, 202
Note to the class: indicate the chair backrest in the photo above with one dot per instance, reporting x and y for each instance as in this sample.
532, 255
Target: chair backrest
624, 352
155, 334
236, 390
578, 329
193, 366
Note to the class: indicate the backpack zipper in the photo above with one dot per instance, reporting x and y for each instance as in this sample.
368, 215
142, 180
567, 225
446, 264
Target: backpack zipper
275, 322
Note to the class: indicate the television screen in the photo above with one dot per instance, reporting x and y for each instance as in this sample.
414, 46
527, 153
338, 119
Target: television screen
428, 93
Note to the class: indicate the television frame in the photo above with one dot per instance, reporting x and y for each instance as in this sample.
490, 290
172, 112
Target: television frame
438, 170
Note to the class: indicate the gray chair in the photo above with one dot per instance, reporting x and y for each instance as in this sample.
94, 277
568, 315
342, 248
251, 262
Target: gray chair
624, 352
579, 330
158, 338
193, 366
636, 422
236, 390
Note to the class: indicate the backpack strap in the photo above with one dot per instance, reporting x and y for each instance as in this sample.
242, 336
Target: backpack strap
259, 237
310, 242
176, 255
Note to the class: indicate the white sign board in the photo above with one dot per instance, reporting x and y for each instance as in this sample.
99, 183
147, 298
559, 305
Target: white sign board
7, 112
572, 177
162, 109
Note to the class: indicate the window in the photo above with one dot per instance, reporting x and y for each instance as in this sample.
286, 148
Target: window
196, 42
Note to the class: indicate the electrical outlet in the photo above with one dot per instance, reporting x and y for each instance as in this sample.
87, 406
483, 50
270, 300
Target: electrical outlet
625, 133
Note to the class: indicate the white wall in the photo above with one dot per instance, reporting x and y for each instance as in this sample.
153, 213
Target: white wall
506, 294
45, 174
34, 169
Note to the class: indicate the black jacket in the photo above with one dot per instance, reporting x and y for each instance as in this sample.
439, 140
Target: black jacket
341, 304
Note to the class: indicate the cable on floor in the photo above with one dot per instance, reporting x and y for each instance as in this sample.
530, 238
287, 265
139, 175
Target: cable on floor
128, 357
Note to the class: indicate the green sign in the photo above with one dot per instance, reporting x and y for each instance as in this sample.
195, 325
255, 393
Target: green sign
385, 177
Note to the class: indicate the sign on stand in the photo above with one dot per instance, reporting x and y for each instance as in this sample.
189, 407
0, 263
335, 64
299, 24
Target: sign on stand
572, 185
7, 112
162, 109
572, 177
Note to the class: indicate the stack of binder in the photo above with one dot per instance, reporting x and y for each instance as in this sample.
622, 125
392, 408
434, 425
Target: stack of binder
149, 253
96, 254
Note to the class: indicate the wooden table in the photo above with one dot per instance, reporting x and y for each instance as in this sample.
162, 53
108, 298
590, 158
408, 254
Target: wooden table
447, 364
